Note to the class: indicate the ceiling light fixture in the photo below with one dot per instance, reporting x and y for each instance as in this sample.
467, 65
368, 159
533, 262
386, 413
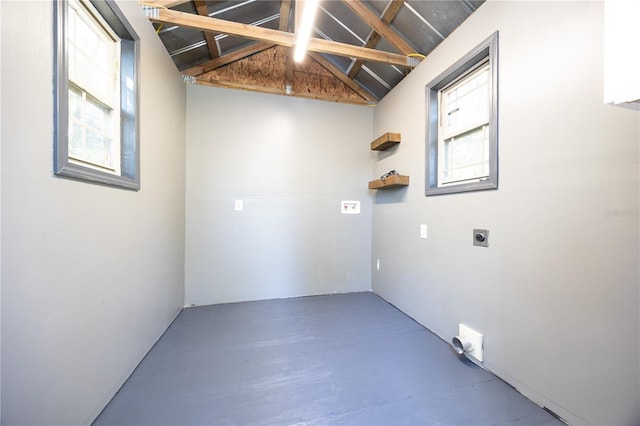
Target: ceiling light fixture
303, 34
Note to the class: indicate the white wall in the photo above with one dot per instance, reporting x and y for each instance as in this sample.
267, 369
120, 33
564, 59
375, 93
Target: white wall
556, 293
91, 275
291, 161
0, 218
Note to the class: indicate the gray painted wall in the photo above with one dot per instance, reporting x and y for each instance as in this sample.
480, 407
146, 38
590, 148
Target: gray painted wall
556, 293
292, 161
91, 276
0, 218
559, 312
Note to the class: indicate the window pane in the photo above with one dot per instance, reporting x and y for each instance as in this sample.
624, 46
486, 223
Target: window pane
98, 149
75, 104
467, 156
92, 56
466, 104
76, 145
96, 117
90, 138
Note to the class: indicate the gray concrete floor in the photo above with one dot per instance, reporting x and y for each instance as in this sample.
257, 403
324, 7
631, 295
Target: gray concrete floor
349, 359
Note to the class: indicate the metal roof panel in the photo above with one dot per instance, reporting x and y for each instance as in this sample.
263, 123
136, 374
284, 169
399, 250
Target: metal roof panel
444, 16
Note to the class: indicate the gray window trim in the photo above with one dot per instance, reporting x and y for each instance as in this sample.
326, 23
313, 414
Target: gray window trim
487, 49
129, 102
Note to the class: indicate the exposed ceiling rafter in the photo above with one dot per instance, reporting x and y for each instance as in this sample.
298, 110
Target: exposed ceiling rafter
379, 26
282, 38
227, 59
342, 76
203, 10
164, 3
387, 17
285, 12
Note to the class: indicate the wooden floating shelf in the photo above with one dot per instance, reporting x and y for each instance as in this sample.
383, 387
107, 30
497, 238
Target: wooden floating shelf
385, 141
389, 182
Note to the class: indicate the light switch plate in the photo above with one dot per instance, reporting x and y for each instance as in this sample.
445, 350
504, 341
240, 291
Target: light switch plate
350, 207
239, 206
423, 230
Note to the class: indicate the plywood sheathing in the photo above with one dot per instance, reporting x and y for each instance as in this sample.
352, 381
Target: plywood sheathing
265, 72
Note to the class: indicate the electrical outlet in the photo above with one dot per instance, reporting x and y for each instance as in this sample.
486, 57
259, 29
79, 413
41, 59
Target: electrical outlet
481, 237
350, 207
423, 231
239, 206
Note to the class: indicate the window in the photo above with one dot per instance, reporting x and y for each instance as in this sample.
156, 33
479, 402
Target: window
96, 106
462, 124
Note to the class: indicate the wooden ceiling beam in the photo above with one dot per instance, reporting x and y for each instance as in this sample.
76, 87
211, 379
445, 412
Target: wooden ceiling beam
282, 38
285, 11
389, 14
342, 77
227, 59
379, 26
274, 91
203, 10
164, 3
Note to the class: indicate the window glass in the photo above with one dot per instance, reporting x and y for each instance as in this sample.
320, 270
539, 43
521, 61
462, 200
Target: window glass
93, 53
466, 103
90, 131
464, 128
466, 156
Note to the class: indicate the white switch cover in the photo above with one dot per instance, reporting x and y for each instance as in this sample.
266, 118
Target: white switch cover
239, 205
350, 207
423, 230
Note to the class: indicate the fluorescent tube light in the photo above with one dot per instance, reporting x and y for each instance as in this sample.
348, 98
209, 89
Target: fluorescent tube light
303, 34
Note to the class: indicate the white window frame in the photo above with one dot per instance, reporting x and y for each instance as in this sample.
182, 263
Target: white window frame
484, 56
118, 99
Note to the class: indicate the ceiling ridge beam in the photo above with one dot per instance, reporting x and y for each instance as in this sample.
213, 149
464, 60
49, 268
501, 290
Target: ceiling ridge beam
282, 38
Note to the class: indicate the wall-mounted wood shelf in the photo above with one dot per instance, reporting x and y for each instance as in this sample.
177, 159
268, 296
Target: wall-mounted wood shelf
385, 141
389, 182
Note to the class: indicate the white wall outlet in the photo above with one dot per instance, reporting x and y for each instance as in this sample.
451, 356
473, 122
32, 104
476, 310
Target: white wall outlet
239, 205
476, 339
350, 207
423, 231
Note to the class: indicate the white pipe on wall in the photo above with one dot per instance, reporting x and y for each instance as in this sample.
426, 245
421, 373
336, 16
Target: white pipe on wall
461, 344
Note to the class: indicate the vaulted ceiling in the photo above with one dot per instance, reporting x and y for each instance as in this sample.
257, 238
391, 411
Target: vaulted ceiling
360, 49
